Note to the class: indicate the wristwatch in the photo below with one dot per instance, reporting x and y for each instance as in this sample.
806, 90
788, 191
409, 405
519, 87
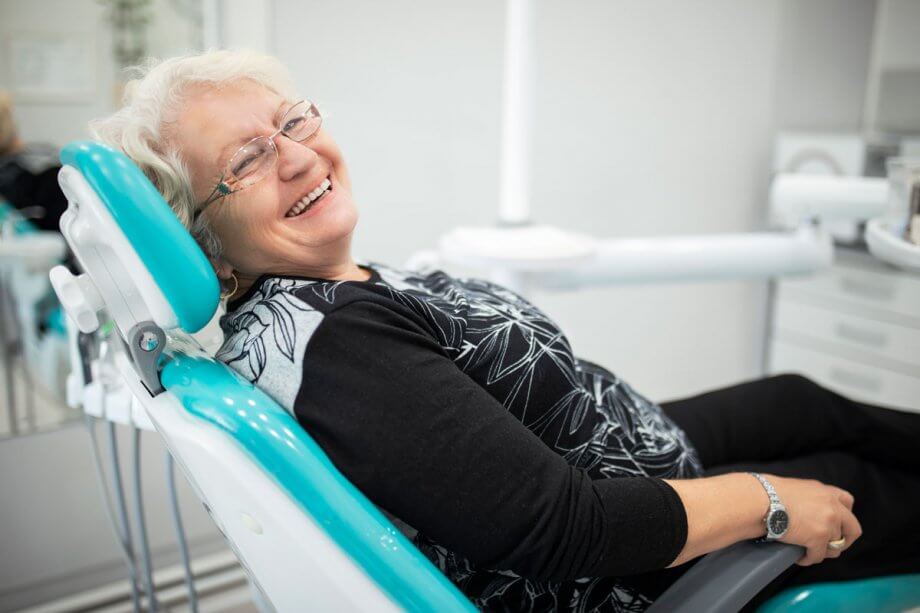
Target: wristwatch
777, 519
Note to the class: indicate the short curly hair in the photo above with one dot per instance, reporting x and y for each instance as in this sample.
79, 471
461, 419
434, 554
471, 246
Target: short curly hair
154, 99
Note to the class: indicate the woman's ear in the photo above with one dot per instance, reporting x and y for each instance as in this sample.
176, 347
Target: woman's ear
223, 269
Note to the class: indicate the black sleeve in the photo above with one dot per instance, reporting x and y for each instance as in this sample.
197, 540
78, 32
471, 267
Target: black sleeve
426, 443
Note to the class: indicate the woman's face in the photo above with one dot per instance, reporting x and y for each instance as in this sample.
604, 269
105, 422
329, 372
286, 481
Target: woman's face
255, 225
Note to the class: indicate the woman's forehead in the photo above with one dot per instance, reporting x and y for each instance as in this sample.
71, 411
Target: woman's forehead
227, 116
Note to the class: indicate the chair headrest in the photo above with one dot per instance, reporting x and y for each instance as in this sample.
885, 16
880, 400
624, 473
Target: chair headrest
142, 261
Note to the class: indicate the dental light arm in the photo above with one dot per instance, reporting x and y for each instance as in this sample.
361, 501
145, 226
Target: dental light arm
698, 258
524, 257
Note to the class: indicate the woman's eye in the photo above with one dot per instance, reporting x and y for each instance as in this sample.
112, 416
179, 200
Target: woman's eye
293, 124
245, 164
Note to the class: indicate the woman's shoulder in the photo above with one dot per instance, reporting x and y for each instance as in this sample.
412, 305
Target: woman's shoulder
268, 329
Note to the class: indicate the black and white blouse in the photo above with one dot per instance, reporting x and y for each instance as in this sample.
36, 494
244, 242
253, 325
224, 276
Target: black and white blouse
459, 408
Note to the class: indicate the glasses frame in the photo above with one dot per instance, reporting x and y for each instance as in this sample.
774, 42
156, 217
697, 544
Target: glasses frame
223, 187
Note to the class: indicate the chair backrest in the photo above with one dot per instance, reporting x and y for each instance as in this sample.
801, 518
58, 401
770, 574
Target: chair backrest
304, 533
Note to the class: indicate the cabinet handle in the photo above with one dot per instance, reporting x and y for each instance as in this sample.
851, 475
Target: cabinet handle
873, 289
861, 335
854, 379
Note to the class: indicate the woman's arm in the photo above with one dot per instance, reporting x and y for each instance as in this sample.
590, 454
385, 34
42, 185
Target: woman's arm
428, 444
729, 508
720, 511
425, 442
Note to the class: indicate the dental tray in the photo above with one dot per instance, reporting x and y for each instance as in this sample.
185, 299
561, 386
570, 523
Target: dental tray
886, 242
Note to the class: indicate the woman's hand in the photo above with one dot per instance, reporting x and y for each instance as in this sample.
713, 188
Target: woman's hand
818, 514
725, 509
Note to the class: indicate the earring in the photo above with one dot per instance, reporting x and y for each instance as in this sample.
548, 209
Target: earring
236, 286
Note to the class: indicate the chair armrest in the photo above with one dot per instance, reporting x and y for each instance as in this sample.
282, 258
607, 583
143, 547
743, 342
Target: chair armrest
725, 580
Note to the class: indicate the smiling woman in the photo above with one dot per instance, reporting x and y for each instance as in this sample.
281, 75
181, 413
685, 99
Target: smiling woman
207, 130
254, 160
535, 480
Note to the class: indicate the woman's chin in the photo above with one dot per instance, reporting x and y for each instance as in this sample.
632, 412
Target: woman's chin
328, 229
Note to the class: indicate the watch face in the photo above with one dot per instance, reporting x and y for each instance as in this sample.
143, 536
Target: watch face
778, 522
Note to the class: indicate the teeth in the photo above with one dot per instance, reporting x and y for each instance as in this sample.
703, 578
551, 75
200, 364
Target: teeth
309, 199
319, 190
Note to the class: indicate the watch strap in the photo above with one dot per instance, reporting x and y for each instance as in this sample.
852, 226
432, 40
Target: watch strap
774, 503
774, 497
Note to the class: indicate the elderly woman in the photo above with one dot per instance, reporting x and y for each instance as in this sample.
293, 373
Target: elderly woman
533, 479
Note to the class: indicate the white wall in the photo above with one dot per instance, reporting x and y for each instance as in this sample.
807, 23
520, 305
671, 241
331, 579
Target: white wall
667, 129
654, 117
64, 120
61, 121
823, 65
894, 75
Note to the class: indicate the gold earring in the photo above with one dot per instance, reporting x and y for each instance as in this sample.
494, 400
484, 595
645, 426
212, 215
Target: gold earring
236, 286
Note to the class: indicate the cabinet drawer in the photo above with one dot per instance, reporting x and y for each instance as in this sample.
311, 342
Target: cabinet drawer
852, 379
875, 289
868, 336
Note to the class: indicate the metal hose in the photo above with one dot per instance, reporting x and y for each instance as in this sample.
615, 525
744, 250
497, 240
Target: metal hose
152, 603
180, 533
121, 528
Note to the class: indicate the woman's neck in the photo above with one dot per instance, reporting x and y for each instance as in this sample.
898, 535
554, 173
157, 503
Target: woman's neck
345, 271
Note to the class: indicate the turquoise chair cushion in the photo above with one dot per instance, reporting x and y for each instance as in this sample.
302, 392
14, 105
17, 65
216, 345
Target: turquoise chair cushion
895, 594
212, 392
176, 263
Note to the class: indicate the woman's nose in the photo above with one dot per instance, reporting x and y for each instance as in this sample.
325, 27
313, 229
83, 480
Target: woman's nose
294, 158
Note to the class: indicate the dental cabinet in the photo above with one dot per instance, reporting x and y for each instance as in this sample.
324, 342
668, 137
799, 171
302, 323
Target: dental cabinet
854, 328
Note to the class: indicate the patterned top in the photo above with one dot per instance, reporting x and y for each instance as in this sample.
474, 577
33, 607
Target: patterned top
458, 407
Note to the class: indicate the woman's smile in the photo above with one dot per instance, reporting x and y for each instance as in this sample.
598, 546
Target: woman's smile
310, 202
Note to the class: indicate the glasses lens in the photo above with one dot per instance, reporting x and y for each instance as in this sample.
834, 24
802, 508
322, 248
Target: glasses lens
301, 121
252, 161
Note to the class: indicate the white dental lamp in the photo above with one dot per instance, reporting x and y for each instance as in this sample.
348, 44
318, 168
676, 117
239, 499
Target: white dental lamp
524, 256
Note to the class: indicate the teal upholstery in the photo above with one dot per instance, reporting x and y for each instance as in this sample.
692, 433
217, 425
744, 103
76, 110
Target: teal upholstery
895, 594
273, 439
182, 272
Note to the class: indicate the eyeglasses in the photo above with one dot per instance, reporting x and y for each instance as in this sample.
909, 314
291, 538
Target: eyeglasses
255, 159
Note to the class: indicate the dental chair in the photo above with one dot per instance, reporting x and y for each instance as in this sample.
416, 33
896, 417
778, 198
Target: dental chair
307, 538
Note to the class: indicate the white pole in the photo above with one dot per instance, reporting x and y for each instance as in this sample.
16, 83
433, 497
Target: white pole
210, 23
517, 115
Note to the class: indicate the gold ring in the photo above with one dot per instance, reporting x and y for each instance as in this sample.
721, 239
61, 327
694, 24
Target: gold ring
838, 544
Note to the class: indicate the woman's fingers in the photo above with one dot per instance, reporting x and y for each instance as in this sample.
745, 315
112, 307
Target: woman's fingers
814, 554
850, 528
845, 497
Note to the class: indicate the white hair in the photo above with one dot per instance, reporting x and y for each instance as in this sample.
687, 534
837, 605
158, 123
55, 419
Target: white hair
155, 98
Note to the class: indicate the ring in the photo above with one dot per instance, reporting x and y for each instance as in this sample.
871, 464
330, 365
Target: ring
838, 544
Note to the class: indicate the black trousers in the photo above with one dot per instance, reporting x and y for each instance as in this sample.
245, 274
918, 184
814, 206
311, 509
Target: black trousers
789, 426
